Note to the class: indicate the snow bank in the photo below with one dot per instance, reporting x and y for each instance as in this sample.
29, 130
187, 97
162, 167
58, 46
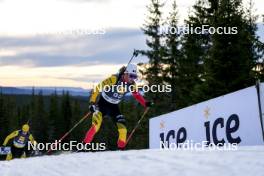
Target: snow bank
245, 161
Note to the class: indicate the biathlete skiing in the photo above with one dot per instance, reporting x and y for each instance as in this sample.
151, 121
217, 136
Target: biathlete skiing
105, 98
19, 143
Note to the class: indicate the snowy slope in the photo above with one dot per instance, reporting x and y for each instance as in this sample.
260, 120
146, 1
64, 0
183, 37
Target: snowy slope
245, 161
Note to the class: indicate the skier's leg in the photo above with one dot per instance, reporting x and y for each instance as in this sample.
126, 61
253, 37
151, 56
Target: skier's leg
13, 154
122, 131
9, 156
96, 124
120, 121
23, 152
23, 155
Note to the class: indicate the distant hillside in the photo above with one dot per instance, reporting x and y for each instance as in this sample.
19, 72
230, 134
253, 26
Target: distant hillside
45, 90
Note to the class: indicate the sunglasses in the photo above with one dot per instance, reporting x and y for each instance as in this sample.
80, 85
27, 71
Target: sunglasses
132, 76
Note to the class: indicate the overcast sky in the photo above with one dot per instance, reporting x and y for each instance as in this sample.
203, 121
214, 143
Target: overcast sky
39, 45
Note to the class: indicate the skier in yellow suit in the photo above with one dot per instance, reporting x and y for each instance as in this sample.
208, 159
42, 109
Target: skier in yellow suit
20, 141
105, 103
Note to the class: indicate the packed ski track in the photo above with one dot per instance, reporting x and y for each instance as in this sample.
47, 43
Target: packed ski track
244, 161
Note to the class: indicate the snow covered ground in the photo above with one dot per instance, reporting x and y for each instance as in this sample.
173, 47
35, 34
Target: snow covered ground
245, 161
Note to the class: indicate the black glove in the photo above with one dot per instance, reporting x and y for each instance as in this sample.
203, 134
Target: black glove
149, 104
93, 108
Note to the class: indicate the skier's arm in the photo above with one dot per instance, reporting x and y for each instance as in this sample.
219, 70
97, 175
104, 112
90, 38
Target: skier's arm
139, 98
109, 81
32, 140
10, 136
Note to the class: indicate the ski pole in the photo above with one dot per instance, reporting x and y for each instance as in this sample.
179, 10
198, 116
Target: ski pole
135, 54
139, 121
66, 134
